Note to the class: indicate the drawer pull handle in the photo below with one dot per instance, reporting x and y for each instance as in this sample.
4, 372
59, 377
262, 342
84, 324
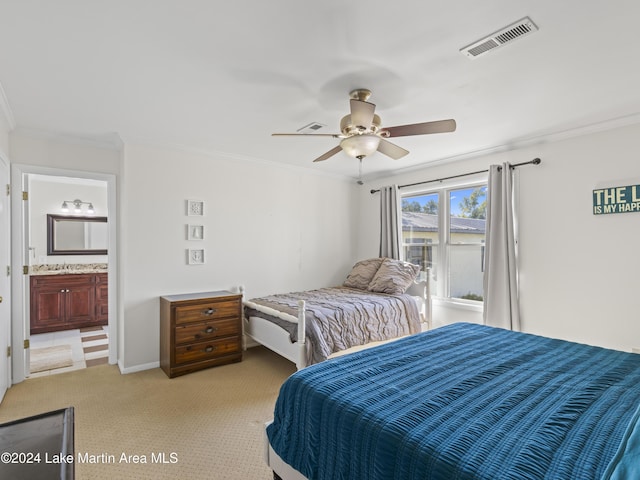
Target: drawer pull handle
209, 349
209, 311
210, 329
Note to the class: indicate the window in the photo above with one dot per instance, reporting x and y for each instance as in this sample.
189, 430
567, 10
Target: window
444, 230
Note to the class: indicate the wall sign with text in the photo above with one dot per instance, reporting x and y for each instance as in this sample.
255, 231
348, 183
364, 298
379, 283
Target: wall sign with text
616, 200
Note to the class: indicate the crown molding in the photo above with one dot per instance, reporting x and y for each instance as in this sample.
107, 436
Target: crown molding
110, 141
233, 156
116, 142
552, 137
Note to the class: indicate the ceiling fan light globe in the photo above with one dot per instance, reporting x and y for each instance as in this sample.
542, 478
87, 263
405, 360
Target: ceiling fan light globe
360, 145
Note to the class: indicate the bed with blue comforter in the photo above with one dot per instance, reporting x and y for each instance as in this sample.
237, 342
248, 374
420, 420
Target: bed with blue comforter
464, 402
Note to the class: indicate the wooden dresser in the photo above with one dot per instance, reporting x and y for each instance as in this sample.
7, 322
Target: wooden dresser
199, 330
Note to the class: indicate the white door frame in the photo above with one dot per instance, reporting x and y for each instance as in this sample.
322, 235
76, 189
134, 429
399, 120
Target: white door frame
20, 290
5, 291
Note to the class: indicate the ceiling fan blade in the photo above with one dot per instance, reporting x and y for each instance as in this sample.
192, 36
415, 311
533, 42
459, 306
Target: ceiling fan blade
391, 149
362, 113
329, 154
440, 126
334, 135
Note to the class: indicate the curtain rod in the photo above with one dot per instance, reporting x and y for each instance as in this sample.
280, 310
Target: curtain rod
535, 161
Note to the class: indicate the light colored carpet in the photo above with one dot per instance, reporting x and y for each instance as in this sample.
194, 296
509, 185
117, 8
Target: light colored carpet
50, 358
211, 422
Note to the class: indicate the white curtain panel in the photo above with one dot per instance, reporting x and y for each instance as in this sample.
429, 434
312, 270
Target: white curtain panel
390, 222
501, 305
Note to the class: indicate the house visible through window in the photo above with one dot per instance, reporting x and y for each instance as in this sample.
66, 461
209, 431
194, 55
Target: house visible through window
444, 230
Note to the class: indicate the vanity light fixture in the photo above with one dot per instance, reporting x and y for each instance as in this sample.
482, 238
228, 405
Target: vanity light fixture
77, 206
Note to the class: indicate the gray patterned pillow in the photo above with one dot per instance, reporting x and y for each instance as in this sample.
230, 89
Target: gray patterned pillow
393, 277
362, 273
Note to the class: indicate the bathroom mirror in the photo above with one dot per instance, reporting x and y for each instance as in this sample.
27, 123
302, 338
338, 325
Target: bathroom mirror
75, 235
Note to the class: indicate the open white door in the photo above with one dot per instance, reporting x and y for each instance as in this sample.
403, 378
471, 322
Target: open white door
19, 281
5, 280
24, 253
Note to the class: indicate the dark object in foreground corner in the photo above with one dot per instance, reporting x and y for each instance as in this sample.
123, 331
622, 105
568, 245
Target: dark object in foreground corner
39, 447
276, 476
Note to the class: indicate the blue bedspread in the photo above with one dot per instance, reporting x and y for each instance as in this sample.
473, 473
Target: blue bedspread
461, 402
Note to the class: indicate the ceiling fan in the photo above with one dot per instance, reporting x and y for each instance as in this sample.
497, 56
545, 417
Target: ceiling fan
362, 134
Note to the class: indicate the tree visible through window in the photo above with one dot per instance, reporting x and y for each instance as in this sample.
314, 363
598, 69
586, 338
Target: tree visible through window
444, 231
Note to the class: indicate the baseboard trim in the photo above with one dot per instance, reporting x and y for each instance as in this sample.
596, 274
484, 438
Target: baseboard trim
138, 368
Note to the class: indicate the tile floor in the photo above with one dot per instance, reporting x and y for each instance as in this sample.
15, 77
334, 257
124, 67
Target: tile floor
89, 347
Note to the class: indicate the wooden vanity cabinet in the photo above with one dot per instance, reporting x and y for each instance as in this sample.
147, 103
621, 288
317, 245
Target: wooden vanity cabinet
102, 298
64, 302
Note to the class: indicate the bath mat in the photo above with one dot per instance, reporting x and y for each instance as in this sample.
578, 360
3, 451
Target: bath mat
49, 358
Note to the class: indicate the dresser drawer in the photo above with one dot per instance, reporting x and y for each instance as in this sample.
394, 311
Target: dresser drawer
197, 332
207, 350
207, 311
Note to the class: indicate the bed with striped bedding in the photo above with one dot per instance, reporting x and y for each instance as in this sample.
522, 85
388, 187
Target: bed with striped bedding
340, 317
463, 402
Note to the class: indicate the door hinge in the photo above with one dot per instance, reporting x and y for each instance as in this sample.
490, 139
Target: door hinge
8, 351
25, 195
8, 189
25, 269
8, 270
26, 343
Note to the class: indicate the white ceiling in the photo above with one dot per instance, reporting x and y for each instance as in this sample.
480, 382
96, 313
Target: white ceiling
222, 76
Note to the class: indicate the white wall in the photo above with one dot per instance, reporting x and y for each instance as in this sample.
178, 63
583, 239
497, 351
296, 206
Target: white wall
4, 133
269, 228
46, 197
578, 271
63, 153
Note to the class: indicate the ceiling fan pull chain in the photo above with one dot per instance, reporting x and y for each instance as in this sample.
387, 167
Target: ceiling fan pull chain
360, 182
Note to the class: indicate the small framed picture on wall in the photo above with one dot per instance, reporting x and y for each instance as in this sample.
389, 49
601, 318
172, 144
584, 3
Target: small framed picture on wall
195, 232
195, 208
195, 256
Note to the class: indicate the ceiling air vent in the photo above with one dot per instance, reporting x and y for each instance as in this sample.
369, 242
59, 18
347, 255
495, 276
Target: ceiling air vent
311, 128
506, 35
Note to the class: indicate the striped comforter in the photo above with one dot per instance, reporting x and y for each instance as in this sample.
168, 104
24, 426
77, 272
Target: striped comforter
462, 402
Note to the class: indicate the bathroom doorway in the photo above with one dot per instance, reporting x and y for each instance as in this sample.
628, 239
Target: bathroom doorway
63, 340
68, 273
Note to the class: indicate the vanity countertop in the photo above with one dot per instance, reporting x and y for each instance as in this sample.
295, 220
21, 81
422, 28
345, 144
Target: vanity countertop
66, 269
